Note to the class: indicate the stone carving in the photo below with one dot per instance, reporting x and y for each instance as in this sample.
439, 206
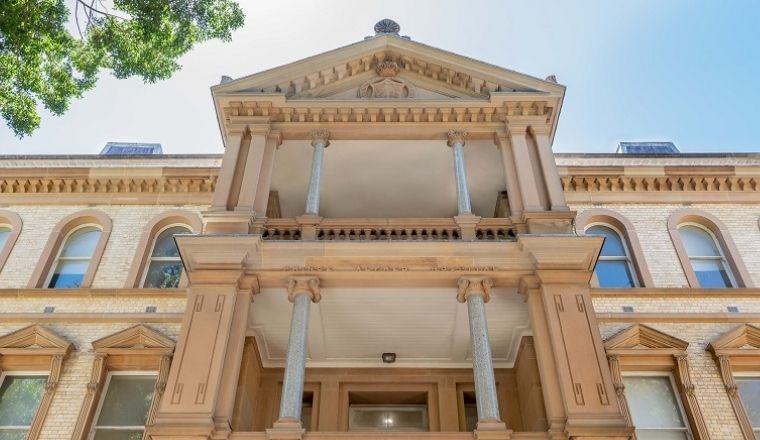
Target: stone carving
386, 86
387, 26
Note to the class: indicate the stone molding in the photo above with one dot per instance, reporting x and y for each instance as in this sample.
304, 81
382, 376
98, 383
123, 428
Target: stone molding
642, 348
137, 348
36, 348
738, 350
304, 284
57, 239
13, 220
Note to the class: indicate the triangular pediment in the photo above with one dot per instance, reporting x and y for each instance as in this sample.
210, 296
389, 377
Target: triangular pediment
743, 337
137, 337
434, 70
642, 337
34, 337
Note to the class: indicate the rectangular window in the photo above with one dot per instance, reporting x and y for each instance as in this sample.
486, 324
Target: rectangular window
20, 396
749, 391
655, 407
387, 418
123, 410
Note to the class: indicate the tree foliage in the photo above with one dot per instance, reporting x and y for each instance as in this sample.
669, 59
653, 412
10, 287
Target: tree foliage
48, 57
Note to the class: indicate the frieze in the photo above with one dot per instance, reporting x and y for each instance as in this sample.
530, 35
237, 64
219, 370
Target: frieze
387, 268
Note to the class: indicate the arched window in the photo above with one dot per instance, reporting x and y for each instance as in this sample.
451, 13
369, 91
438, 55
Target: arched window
74, 258
614, 269
706, 257
165, 267
10, 228
5, 232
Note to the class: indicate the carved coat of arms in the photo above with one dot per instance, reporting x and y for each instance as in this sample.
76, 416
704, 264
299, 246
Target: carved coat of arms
386, 86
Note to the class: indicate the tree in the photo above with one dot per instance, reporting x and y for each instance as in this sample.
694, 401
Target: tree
43, 63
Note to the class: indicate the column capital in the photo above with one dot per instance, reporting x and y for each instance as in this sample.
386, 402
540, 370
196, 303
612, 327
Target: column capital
456, 136
474, 285
540, 129
307, 284
320, 135
276, 137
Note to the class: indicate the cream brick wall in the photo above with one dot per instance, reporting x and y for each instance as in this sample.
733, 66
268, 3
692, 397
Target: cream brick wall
129, 222
651, 224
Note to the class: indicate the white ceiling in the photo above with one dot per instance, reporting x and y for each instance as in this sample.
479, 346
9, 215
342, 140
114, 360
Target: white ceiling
388, 178
425, 327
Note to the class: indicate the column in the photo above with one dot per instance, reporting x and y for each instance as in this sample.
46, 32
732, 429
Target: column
320, 141
529, 184
476, 292
252, 170
220, 200
456, 142
510, 174
265, 177
549, 167
302, 290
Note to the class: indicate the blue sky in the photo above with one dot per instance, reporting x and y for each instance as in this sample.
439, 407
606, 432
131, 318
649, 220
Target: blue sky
683, 71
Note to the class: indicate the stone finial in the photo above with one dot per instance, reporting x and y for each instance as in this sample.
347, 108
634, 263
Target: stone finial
225, 79
320, 135
456, 136
387, 26
307, 284
552, 78
474, 285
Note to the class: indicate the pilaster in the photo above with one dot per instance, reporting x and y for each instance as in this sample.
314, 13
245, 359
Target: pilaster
549, 167
510, 174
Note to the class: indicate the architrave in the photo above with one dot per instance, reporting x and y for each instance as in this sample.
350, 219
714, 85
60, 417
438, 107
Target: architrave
721, 233
148, 237
642, 348
54, 243
14, 220
137, 348
35, 348
738, 350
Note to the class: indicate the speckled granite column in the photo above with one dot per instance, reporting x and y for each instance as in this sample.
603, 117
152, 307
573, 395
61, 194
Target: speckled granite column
301, 291
456, 142
320, 141
476, 292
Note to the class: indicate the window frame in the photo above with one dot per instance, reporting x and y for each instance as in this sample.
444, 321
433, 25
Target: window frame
403, 408
150, 258
676, 395
721, 257
628, 258
5, 374
62, 246
13, 221
104, 392
745, 374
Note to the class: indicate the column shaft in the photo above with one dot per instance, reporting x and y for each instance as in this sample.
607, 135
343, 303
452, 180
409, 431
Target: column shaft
529, 184
485, 383
295, 362
319, 142
551, 175
463, 194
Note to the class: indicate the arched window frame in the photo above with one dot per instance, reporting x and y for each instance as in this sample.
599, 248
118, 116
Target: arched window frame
58, 238
627, 232
13, 221
720, 257
719, 232
151, 258
627, 257
62, 247
155, 226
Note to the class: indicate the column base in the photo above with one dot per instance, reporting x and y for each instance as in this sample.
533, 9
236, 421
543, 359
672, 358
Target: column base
492, 430
467, 224
308, 224
286, 429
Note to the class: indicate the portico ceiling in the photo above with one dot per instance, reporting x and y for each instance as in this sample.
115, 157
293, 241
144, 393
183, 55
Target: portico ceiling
425, 327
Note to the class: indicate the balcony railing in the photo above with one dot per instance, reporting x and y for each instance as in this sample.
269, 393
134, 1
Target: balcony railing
403, 229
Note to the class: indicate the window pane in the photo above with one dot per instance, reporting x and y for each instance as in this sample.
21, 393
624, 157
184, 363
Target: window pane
113, 434
652, 401
165, 245
4, 233
81, 243
69, 274
385, 418
19, 398
711, 273
127, 401
163, 274
613, 274
749, 390
13, 434
660, 435
613, 245
698, 242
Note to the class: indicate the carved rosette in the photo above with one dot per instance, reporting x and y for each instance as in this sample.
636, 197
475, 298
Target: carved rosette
303, 284
474, 285
456, 137
320, 136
